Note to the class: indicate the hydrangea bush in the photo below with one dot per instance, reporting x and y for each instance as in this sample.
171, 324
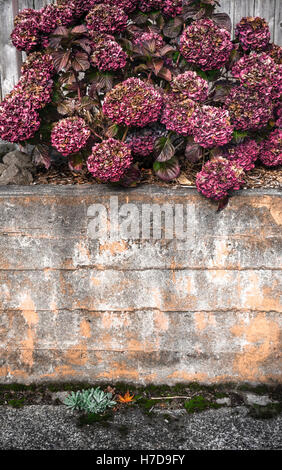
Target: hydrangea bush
119, 86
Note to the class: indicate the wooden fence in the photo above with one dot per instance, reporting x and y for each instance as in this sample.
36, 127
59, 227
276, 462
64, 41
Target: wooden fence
10, 59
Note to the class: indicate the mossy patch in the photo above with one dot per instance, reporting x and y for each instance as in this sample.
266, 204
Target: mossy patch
16, 402
93, 418
199, 403
146, 404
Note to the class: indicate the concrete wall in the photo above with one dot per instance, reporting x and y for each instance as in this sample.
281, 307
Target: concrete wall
203, 308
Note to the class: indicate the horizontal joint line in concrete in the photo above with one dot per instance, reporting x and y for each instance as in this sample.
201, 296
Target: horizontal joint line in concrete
117, 268
146, 309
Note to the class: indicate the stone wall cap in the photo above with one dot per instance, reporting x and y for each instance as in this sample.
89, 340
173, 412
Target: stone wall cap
89, 189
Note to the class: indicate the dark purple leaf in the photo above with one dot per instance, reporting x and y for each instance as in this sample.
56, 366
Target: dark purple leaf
41, 155
223, 20
80, 62
157, 65
131, 177
84, 43
165, 149
167, 171
173, 27
193, 152
222, 203
80, 29
61, 31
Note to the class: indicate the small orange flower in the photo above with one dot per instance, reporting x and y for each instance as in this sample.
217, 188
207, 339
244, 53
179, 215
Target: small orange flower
127, 398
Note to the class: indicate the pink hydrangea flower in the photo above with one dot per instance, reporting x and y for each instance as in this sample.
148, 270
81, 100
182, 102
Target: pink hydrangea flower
178, 113
253, 33
279, 116
248, 109
211, 126
142, 38
107, 54
27, 14
218, 177
133, 103
38, 94
206, 45
244, 154
18, 120
149, 5
106, 19
38, 66
192, 86
271, 149
172, 7
275, 53
26, 35
70, 135
53, 16
126, 5
260, 72
109, 160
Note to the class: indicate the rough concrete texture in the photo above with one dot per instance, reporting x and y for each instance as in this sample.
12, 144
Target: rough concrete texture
54, 427
74, 308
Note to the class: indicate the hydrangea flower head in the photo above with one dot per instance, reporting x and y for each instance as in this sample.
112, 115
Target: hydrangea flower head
253, 33
206, 45
172, 8
141, 39
109, 160
106, 19
18, 120
70, 135
211, 126
244, 154
218, 177
248, 109
107, 53
271, 149
260, 72
53, 16
133, 103
178, 113
192, 86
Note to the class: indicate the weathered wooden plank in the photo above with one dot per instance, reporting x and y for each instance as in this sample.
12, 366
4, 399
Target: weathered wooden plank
278, 23
9, 69
266, 9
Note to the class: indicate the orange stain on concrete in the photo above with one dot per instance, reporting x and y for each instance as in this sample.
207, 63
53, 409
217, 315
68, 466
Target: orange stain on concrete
120, 371
30, 315
263, 336
85, 328
200, 320
95, 281
186, 377
261, 298
106, 320
273, 205
61, 371
77, 355
222, 251
3, 371
28, 310
161, 321
114, 247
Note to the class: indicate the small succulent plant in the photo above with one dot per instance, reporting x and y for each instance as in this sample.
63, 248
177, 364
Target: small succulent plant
93, 400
